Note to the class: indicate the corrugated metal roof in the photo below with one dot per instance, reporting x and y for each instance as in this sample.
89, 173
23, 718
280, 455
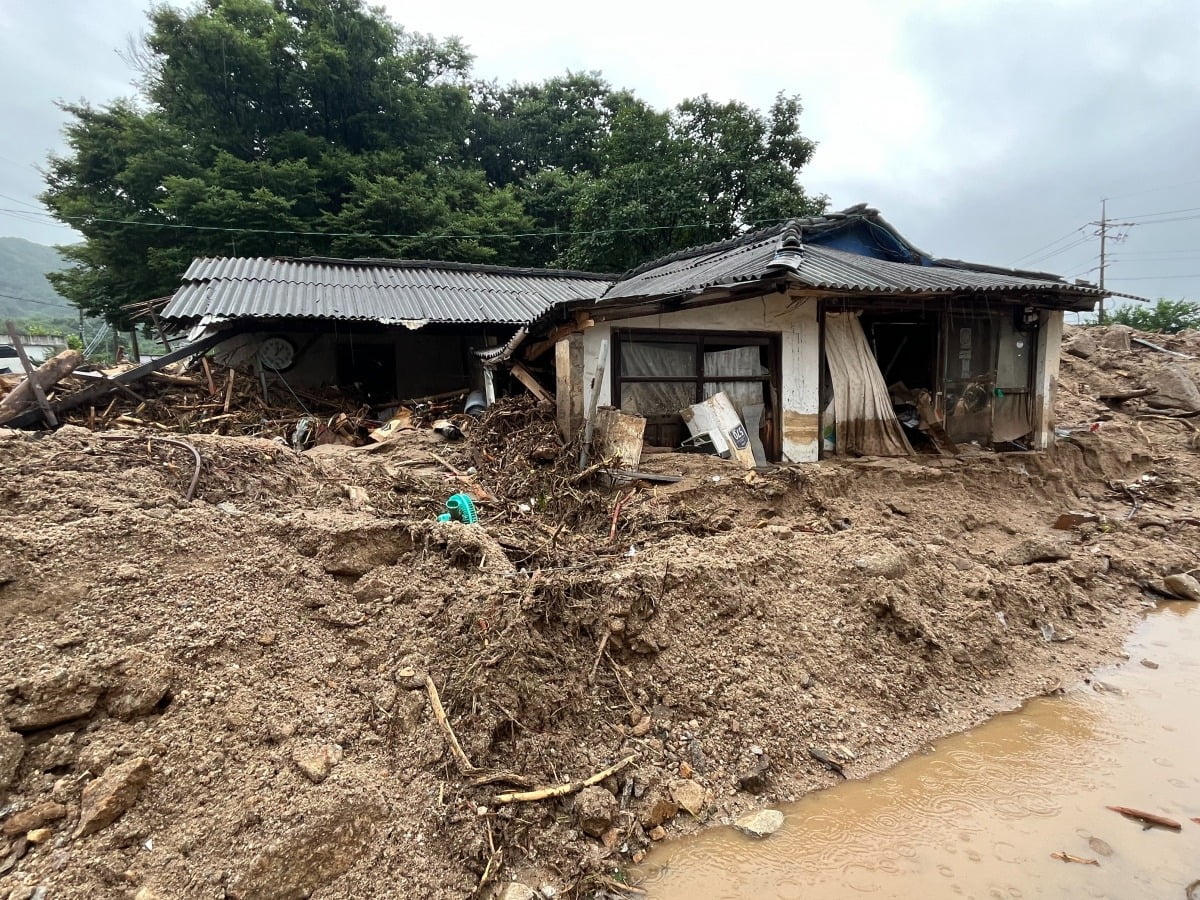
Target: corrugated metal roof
780, 250
410, 291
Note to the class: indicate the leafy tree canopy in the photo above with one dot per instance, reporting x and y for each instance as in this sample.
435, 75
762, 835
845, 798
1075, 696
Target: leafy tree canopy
1166, 316
301, 127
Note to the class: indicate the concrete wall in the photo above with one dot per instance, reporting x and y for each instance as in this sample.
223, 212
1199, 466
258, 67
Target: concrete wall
1045, 378
793, 319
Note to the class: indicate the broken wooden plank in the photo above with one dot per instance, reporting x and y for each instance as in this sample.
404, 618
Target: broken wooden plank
35, 387
1122, 396
1154, 346
523, 375
1147, 817
129, 376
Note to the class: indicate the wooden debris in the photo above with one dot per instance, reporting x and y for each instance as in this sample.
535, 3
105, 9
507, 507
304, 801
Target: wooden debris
1148, 818
561, 790
827, 761
1122, 396
49, 373
1067, 857
531, 384
465, 766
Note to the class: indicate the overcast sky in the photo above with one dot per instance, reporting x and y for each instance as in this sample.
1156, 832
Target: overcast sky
983, 129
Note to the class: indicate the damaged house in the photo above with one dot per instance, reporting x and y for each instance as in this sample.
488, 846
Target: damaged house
830, 334
825, 335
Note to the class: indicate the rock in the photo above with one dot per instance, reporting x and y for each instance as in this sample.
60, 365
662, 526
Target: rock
33, 817
642, 728
689, 795
1070, 520
308, 856
660, 809
141, 689
1082, 345
760, 823
1173, 388
754, 778
52, 699
514, 890
1183, 586
595, 809
1149, 664
108, 797
317, 762
882, 565
12, 750
1036, 550
39, 835
657, 833
1116, 337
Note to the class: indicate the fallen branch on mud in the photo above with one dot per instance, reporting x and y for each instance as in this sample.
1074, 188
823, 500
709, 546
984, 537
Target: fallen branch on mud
1148, 818
191, 491
465, 766
561, 790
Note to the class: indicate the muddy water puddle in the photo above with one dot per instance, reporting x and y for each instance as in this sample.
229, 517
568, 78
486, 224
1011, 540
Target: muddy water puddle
980, 814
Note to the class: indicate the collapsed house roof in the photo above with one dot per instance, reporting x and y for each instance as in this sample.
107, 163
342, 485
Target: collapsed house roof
806, 253
407, 292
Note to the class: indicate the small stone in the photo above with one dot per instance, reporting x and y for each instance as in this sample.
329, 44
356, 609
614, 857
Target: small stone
642, 728
39, 835
514, 890
12, 751
595, 809
267, 637
689, 795
317, 762
760, 823
882, 565
657, 833
638, 856
1036, 550
753, 779
659, 810
1183, 586
33, 817
1070, 520
1149, 664
108, 797
685, 769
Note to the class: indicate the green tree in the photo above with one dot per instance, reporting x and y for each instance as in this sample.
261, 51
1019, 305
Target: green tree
1166, 316
301, 127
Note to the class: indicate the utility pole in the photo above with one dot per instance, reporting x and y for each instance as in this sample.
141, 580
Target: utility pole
1103, 225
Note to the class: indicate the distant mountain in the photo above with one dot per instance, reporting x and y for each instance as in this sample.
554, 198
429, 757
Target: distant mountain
24, 291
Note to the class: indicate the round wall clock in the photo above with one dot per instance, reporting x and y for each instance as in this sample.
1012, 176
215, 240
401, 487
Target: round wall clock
277, 353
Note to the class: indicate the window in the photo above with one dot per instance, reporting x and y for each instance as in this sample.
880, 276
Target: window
659, 373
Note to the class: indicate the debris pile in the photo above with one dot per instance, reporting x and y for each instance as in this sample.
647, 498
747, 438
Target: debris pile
300, 682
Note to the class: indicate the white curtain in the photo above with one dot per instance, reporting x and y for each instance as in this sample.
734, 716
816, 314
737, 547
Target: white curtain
866, 423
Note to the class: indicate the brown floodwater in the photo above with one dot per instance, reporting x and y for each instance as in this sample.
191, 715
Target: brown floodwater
980, 813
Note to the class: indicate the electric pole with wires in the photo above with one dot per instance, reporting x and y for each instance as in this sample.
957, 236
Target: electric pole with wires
1102, 230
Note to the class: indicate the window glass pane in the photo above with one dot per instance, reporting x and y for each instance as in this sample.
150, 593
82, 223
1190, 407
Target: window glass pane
657, 398
640, 358
737, 361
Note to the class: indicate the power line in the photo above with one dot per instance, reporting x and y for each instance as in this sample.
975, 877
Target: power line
1051, 244
65, 303
1157, 277
363, 234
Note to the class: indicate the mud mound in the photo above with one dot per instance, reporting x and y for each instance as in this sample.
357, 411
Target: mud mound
269, 647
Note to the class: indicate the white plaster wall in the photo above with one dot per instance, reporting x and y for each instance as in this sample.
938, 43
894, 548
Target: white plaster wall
1045, 379
793, 319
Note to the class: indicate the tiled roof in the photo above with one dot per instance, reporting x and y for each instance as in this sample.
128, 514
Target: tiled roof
406, 291
781, 250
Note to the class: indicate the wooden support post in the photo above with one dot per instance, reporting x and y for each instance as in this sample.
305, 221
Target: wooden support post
593, 402
568, 390
34, 385
162, 334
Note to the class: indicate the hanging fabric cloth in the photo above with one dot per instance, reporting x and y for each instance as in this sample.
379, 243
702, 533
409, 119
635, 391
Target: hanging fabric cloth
866, 424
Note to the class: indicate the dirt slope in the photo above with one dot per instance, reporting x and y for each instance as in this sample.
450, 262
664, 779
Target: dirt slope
264, 647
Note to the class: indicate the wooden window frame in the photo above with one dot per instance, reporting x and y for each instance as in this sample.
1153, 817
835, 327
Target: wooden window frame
699, 338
